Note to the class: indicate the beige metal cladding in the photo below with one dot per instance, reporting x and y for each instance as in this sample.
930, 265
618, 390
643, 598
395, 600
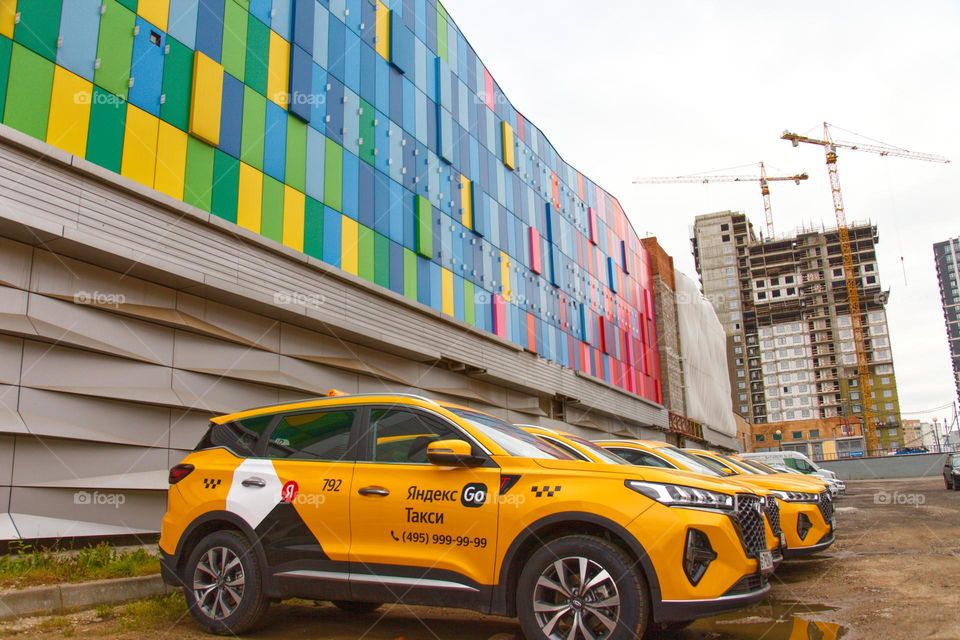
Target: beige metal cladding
128, 319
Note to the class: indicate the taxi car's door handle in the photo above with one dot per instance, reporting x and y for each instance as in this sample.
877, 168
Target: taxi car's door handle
259, 483
374, 491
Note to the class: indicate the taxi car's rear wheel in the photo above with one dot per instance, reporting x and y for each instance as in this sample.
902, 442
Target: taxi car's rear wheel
222, 584
359, 608
581, 588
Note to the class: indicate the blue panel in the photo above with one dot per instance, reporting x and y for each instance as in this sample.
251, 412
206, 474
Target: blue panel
210, 28
368, 18
303, 18
321, 32
396, 212
401, 45
409, 221
79, 28
275, 142
336, 37
146, 72
332, 230
351, 61
316, 146
611, 274
261, 9
436, 287
334, 104
458, 297
282, 18
301, 83
368, 74
383, 85
396, 268
318, 106
444, 89
423, 280
231, 116
445, 130
365, 207
182, 24
351, 185
381, 204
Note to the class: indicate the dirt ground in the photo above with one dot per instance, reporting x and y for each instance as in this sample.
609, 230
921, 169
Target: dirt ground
892, 574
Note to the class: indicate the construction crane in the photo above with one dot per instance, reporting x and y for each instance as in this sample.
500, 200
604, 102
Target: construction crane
763, 179
830, 146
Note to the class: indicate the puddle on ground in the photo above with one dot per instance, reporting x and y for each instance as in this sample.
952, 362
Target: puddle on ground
766, 621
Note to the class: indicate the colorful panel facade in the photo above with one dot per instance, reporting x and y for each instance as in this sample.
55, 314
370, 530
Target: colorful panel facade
373, 139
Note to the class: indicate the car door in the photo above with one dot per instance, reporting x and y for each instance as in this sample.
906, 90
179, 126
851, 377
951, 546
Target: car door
421, 532
306, 533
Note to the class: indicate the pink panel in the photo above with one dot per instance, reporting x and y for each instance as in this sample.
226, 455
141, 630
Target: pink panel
534, 236
499, 316
592, 225
488, 88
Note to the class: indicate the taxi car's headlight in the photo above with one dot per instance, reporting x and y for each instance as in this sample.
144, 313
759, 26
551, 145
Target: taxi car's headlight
796, 496
676, 495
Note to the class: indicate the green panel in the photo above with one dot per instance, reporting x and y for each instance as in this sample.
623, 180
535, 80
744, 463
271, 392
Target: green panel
441, 32
381, 260
28, 92
333, 176
367, 132
271, 222
295, 173
115, 48
198, 182
177, 78
313, 228
108, 115
409, 274
424, 227
365, 256
129, 4
6, 45
253, 128
243, 3
39, 26
469, 303
234, 57
258, 52
226, 181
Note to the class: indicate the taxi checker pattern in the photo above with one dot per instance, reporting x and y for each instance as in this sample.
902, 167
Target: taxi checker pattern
367, 499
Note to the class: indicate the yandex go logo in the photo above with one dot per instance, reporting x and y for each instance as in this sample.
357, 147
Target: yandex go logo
474, 495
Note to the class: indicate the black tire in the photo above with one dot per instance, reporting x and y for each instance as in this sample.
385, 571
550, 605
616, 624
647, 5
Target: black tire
358, 608
243, 570
624, 580
956, 485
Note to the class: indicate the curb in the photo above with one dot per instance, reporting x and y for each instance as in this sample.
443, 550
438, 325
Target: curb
60, 598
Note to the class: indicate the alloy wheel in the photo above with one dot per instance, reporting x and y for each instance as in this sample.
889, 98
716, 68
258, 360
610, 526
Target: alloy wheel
576, 599
218, 583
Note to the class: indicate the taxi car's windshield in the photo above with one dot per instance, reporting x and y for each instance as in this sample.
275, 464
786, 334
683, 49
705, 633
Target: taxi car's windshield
513, 440
598, 451
692, 463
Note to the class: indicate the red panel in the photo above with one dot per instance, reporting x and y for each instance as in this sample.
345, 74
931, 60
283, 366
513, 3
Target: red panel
488, 88
499, 316
555, 185
531, 333
592, 225
534, 236
521, 128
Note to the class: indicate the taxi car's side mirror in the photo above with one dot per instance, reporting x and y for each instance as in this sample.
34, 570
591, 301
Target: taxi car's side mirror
452, 453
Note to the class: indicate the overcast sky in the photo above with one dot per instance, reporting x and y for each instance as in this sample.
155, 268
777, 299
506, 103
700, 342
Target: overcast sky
626, 89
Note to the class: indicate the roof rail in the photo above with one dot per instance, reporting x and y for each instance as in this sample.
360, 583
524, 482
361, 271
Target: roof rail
334, 397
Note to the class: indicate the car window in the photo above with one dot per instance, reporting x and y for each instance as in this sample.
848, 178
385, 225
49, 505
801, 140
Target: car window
402, 436
573, 453
239, 436
317, 435
792, 463
716, 465
956, 461
513, 440
641, 458
694, 463
598, 451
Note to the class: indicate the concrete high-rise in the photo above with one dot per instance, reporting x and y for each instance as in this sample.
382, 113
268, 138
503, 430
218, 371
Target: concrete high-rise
783, 302
947, 256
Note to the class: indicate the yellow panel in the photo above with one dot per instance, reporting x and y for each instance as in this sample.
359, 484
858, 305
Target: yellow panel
171, 161
446, 282
206, 99
294, 203
349, 256
507, 132
466, 202
69, 112
155, 12
383, 30
505, 275
8, 13
139, 146
278, 69
250, 198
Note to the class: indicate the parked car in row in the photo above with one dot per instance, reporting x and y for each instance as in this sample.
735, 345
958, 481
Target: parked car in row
798, 462
951, 471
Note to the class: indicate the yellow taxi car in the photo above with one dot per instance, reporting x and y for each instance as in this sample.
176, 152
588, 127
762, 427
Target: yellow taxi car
663, 455
366, 499
806, 507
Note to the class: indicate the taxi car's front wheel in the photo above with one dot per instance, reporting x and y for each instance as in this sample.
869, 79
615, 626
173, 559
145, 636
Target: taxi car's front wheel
222, 584
581, 587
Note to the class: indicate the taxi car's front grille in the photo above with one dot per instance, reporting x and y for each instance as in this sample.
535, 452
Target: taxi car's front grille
749, 518
747, 584
773, 514
826, 506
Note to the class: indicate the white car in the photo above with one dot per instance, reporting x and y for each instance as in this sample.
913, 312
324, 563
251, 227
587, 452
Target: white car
836, 487
798, 462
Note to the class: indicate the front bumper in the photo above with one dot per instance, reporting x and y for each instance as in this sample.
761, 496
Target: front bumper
823, 544
749, 590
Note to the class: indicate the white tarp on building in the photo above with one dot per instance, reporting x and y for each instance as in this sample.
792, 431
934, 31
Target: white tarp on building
703, 346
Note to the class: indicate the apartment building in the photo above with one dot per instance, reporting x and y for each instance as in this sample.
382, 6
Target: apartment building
947, 257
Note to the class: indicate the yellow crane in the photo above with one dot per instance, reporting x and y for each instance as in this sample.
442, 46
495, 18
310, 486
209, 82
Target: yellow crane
830, 147
763, 179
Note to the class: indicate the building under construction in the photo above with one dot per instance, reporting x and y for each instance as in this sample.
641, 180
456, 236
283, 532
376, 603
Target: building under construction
792, 359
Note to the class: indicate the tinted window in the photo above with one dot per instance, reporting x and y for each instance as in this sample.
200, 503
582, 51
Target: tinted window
513, 440
318, 435
573, 453
692, 462
402, 436
642, 458
792, 463
239, 436
606, 456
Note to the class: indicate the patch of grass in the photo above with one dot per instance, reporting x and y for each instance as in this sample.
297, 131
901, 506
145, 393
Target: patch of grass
26, 566
159, 612
104, 611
